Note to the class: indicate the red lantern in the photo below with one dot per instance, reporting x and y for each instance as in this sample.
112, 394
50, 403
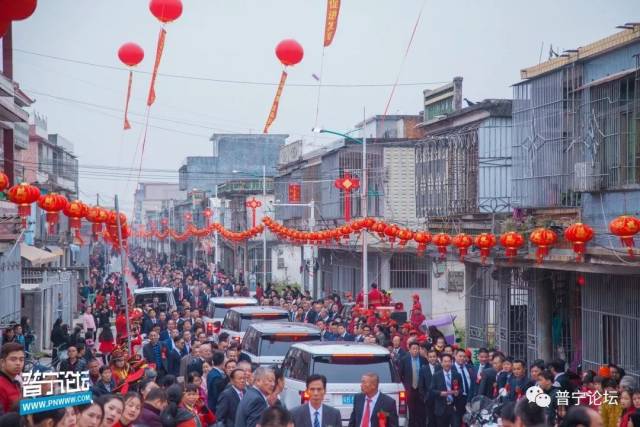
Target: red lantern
97, 216
485, 242
24, 195
511, 241
52, 204
543, 238
368, 223
289, 52
579, 234
625, 227
391, 231
166, 10
422, 238
17, 10
379, 227
4, 179
463, 242
442, 241
405, 235
75, 211
130, 54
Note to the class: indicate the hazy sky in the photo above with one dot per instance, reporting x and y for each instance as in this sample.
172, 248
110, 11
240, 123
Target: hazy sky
486, 42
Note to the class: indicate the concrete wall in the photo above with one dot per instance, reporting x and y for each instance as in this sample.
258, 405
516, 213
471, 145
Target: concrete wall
448, 302
400, 181
291, 256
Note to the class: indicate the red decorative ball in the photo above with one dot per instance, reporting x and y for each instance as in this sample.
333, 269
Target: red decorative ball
166, 10
131, 54
17, 10
289, 52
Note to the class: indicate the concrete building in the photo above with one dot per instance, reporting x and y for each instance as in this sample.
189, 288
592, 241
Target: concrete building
150, 198
390, 126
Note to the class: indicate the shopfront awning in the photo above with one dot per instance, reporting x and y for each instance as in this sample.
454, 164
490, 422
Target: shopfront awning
56, 250
36, 256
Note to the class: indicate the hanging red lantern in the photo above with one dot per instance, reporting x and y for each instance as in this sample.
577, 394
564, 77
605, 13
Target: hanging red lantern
17, 10
97, 216
463, 242
289, 52
442, 241
422, 238
52, 204
511, 241
379, 227
391, 232
4, 179
581, 280
543, 238
369, 223
404, 235
579, 234
625, 227
485, 241
75, 210
24, 195
166, 10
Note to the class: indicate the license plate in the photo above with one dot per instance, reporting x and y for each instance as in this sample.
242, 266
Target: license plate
347, 399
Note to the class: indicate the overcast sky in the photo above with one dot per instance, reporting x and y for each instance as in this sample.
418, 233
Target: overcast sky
487, 42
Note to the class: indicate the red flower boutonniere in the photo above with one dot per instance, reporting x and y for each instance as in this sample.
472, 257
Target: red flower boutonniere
382, 418
455, 386
164, 352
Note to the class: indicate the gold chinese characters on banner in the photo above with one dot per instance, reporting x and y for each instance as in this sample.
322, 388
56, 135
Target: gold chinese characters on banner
331, 23
276, 101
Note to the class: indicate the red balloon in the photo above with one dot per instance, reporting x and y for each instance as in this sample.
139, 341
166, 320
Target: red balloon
130, 54
17, 10
289, 52
166, 10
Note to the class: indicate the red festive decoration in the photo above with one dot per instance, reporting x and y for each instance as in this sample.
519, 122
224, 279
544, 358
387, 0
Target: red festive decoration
166, 10
511, 241
131, 55
625, 227
463, 242
4, 26
485, 241
391, 232
404, 235
75, 211
17, 10
24, 195
581, 280
331, 21
543, 238
347, 184
289, 52
97, 216
4, 179
294, 193
253, 204
579, 234
422, 238
52, 204
442, 241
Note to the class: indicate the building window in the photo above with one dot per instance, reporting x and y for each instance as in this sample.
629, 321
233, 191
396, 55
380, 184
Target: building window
611, 338
410, 271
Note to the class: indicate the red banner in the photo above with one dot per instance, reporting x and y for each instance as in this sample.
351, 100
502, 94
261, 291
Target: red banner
152, 91
294, 193
276, 101
127, 125
331, 22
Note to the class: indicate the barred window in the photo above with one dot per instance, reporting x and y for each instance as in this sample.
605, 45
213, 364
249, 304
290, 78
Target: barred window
410, 271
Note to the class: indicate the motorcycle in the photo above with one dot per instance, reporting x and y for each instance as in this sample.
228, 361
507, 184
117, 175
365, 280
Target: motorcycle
483, 411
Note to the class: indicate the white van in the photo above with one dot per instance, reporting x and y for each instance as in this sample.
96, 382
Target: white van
237, 320
218, 307
267, 343
158, 297
343, 364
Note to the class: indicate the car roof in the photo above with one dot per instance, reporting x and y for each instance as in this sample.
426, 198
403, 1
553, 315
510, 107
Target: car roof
324, 348
285, 327
152, 290
251, 309
233, 300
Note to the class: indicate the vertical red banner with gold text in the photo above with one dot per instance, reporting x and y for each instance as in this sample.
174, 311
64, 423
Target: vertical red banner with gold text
276, 101
294, 193
152, 90
127, 125
331, 22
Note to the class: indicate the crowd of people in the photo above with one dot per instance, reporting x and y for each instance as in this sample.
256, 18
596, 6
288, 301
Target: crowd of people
177, 373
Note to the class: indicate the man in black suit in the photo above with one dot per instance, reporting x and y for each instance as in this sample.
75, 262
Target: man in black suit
483, 363
314, 413
561, 379
468, 383
426, 377
409, 367
489, 378
445, 390
255, 400
174, 357
368, 404
230, 399
155, 351
343, 335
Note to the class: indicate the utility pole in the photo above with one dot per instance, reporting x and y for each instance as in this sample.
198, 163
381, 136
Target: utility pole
365, 208
264, 233
123, 281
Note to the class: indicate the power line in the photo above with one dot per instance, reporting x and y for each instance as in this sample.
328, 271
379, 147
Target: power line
225, 81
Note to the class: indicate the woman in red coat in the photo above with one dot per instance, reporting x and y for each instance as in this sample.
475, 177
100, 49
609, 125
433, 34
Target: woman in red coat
121, 326
192, 402
107, 343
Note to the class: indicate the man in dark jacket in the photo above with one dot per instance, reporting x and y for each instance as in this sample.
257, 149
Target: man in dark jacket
371, 402
445, 390
255, 402
409, 367
174, 357
105, 384
156, 352
154, 404
215, 380
426, 378
488, 378
230, 399
72, 363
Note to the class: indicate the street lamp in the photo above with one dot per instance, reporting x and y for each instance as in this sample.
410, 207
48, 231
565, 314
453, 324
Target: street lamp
364, 201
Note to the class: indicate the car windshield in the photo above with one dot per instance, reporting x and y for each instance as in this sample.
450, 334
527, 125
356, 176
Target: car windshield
349, 369
278, 345
151, 298
220, 310
255, 318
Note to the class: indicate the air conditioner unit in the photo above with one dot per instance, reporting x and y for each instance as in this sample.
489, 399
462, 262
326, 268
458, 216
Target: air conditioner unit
586, 176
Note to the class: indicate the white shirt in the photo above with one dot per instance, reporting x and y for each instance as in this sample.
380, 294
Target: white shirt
372, 405
312, 412
433, 368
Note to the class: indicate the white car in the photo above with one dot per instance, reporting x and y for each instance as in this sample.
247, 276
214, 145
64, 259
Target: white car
343, 364
218, 307
159, 297
237, 320
267, 343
